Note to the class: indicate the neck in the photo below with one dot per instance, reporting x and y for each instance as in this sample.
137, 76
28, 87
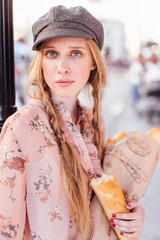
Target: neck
71, 105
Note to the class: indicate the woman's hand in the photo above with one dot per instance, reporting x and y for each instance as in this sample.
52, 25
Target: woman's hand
130, 224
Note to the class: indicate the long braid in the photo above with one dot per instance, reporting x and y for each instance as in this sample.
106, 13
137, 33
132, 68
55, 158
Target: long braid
97, 80
97, 121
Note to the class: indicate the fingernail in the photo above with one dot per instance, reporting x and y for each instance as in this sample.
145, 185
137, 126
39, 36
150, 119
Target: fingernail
121, 233
113, 215
113, 225
111, 220
128, 205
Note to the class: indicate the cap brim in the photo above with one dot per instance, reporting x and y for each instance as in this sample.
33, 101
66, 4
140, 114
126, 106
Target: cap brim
47, 34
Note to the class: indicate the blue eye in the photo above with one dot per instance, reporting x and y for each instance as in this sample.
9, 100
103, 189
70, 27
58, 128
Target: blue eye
51, 54
76, 53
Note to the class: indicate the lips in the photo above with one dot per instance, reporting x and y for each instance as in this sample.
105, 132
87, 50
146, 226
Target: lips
64, 82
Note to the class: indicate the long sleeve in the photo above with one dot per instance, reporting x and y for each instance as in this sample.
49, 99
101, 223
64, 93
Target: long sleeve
12, 186
31, 187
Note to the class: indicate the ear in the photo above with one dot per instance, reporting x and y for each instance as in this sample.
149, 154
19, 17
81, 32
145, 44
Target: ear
93, 67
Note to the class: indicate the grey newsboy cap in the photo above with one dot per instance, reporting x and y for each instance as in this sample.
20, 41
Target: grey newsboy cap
75, 22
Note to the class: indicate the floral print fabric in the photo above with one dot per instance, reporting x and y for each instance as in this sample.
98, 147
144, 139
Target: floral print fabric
33, 202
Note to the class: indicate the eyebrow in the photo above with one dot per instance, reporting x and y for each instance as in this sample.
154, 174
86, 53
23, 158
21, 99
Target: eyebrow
79, 47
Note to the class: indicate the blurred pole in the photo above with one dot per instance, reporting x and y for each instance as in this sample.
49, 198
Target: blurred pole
7, 82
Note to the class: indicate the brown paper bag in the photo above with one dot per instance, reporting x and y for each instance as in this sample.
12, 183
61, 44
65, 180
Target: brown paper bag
132, 161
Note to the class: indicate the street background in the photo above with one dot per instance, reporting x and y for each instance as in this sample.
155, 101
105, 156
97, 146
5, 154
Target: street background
131, 98
119, 116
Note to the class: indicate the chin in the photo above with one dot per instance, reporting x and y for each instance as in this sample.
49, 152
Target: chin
63, 96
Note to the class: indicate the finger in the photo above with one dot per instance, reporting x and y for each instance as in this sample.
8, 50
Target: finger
131, 235
127, 229
132, 205
122, 223
124, 216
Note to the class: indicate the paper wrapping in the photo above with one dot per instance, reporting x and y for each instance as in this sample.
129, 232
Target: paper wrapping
132, 161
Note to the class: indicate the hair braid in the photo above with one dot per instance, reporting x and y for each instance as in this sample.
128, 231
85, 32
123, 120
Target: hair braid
96, 121
97, 80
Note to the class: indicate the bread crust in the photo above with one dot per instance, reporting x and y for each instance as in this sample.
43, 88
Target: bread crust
154, 133
116, 138
111, 198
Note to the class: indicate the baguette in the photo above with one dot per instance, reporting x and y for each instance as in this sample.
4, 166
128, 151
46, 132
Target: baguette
154, 133
111, 198
116, 138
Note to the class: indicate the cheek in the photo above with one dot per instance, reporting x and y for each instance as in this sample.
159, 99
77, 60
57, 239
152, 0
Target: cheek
47, 71
85, 68
86, 72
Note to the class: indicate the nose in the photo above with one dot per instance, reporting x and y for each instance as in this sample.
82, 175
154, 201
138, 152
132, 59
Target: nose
63, 66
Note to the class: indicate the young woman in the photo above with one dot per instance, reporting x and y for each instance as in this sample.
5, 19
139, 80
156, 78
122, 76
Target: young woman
51, 148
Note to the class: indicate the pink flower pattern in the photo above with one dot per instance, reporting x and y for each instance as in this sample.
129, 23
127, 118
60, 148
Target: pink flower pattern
38, 125
43, 184
55, 214
35, 237
12, 160
28, 177
7, 229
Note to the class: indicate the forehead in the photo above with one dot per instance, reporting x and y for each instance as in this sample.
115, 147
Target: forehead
70, 42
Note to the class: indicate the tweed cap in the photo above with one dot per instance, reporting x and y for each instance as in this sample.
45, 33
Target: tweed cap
75, 22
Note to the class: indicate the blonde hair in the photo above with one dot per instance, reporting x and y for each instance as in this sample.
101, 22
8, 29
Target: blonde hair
97, 80
72, 172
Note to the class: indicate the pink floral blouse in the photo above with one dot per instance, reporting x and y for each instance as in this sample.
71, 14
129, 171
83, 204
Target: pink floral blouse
33, 201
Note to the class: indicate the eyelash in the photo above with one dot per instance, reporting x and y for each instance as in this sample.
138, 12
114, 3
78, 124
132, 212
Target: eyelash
47, 53
52, 52
76, 51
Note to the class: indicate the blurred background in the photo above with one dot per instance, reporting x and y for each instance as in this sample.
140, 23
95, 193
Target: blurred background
131, 99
